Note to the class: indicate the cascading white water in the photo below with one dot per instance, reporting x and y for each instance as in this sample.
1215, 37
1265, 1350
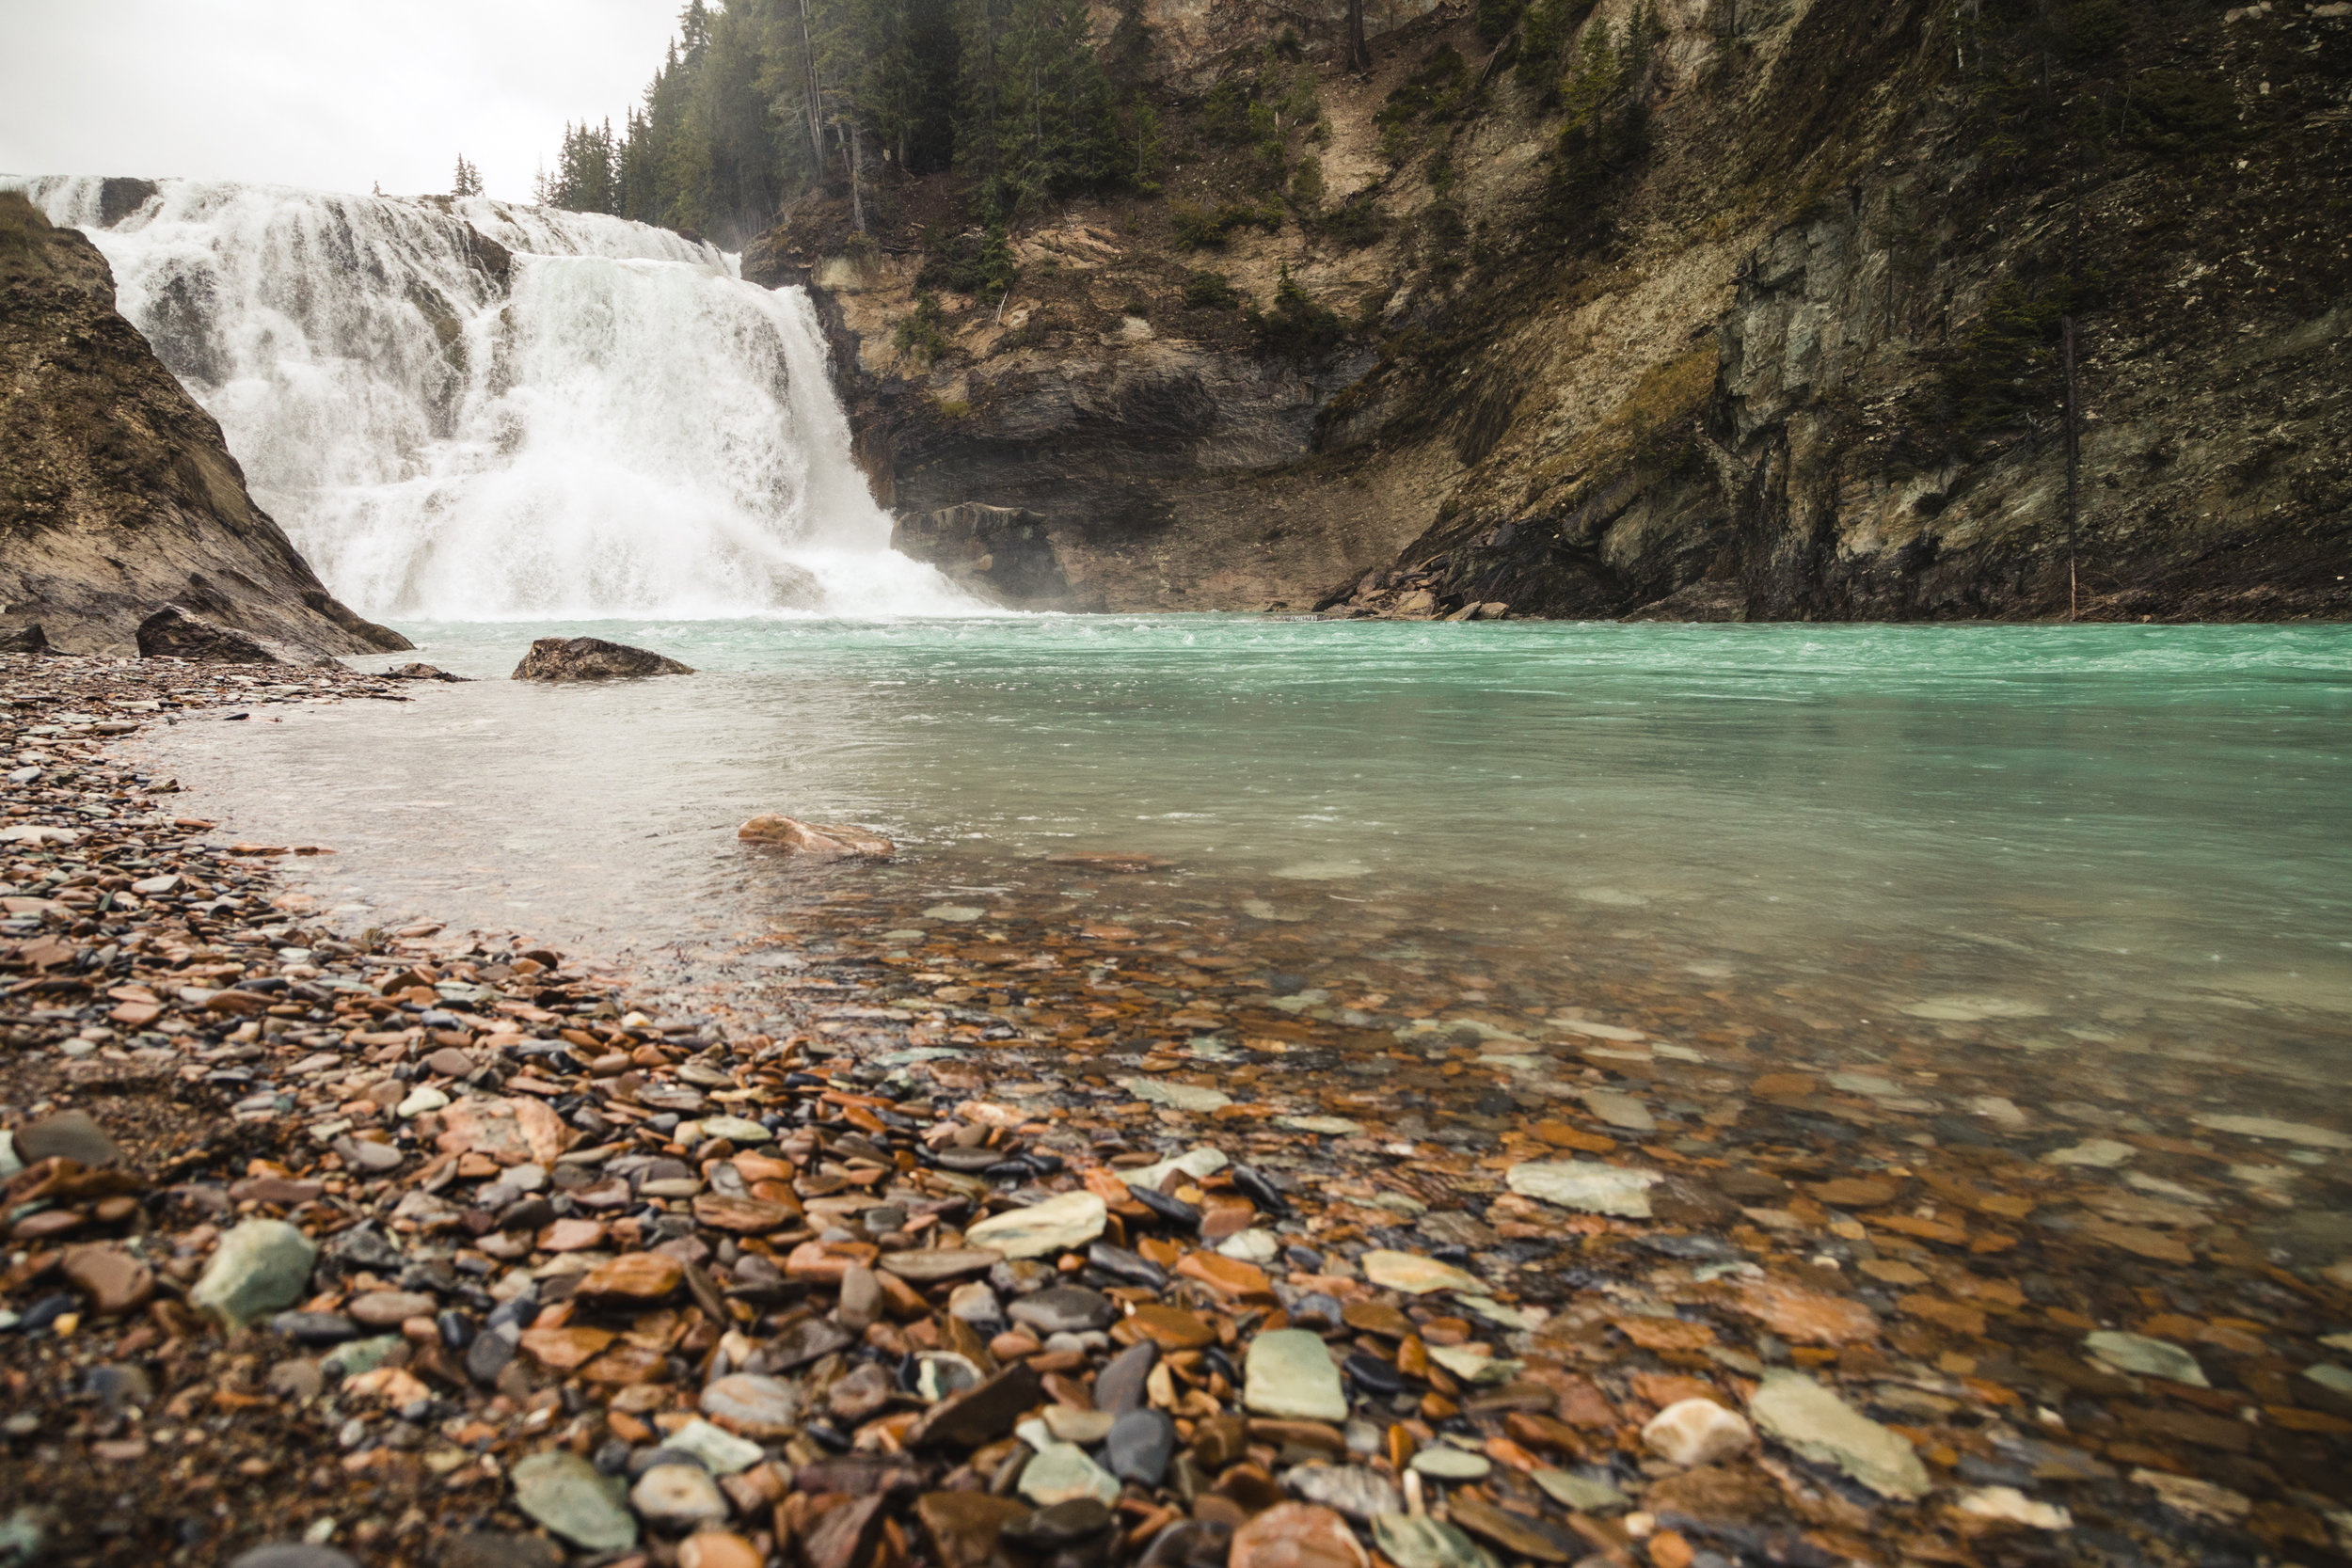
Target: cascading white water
619, 426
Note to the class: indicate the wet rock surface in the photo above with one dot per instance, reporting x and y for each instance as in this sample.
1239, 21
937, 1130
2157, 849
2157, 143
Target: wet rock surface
535, 1265
592, 658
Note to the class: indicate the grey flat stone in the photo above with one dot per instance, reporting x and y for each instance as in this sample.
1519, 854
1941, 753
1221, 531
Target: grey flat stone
70, 1136
260, 1266
722, 1453
1139, 1447
1118, 1388
1061, 1472
1064, 1309
1289, 1375
1442, 1463
1059, 1224
563, 1492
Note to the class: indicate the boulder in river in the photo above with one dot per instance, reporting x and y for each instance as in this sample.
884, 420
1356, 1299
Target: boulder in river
592, 658
825, 841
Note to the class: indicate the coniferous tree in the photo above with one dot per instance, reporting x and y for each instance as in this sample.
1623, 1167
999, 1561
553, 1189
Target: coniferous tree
467, 180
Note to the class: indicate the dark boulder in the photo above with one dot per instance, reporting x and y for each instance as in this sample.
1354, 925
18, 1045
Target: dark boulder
171, 632
24, 640
419, 672
592, 658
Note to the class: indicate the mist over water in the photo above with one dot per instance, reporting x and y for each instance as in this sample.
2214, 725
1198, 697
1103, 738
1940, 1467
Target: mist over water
619, 426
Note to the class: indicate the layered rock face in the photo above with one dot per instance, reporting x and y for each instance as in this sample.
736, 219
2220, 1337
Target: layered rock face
117, 494
1789, 348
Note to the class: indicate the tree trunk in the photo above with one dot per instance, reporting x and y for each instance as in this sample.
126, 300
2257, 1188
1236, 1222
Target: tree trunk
1359, 52
814, 95
2073, 453
857, 179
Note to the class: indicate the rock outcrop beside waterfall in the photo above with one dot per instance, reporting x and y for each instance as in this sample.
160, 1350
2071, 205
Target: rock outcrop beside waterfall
1789, 350
117, 493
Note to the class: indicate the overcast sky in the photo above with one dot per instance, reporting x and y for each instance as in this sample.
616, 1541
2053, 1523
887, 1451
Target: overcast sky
330, 94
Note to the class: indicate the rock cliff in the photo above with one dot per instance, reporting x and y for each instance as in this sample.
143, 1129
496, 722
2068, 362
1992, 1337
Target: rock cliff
1766, 318
117, 494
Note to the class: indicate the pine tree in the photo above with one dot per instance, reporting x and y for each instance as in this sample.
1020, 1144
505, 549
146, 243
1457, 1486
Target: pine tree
467, 180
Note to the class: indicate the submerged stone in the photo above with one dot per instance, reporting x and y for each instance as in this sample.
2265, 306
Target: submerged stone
1586, 1185
1793, 1409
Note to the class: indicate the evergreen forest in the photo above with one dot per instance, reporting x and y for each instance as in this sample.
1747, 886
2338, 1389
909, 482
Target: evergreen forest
759, 99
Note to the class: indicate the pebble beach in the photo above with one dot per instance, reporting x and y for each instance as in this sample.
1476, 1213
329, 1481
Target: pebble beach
996, 1235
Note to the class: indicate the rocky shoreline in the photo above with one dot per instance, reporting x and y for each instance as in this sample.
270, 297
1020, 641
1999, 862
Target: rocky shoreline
402, 1247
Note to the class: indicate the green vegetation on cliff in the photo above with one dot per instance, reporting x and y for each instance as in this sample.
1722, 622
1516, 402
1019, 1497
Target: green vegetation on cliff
761, 100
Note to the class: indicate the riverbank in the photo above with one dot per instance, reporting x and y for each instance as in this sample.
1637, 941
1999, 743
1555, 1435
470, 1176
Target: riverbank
881, 1255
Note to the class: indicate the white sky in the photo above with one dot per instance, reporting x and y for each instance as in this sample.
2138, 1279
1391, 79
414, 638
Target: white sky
329, 94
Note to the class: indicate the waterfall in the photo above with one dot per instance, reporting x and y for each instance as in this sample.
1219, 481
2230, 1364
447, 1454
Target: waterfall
473, 410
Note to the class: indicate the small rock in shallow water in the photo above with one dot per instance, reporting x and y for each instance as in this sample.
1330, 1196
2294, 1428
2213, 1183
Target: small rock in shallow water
1586, 1185
1620, 1110
1181, 1097
2009, 1504
1793, 1409
1696, 1431
830, 841
2136, 1353
2094, 1153
2269, 1126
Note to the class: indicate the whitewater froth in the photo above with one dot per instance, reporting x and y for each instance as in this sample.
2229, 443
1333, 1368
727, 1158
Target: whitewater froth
583, 417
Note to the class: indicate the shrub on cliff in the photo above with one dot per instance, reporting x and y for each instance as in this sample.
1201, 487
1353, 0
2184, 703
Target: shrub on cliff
1296, 326
1209, 290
